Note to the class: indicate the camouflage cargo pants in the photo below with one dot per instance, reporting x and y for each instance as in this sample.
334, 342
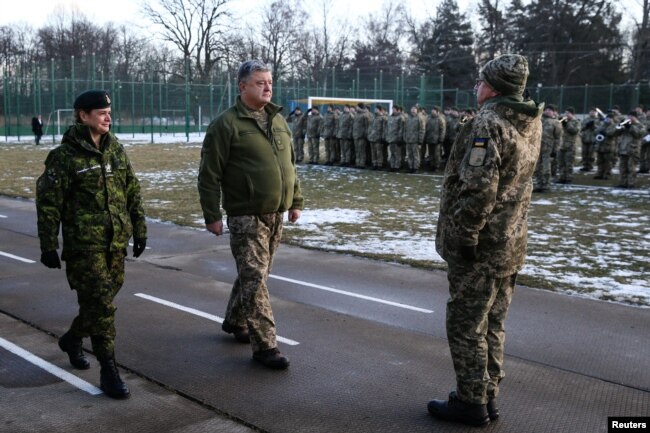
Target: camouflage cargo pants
542, 176
96, 276
413, 155
299, 148
476, 313
347, 154
565, 159
627, 170
253, 242
360, 151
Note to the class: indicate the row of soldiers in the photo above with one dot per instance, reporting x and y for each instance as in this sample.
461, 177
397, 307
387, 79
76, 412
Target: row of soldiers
610, 137
357, 138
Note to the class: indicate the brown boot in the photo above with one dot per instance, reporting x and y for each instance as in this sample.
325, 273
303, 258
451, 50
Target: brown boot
271, 358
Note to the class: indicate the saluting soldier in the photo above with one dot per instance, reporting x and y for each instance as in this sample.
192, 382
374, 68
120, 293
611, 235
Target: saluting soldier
314, 120
434, 136
90, 189
414, 129
395, 137
345, 130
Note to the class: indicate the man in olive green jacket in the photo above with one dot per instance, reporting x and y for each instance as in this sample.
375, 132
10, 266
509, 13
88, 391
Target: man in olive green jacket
248, 165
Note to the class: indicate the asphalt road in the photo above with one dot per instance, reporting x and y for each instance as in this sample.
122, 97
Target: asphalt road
366, 341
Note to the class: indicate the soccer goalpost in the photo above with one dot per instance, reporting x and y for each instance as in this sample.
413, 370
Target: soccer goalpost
62, 116
322, 100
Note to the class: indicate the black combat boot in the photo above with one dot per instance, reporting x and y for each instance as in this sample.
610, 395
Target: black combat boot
241, 333
458, 411
109, 379
271, 358
493, 409
72, 346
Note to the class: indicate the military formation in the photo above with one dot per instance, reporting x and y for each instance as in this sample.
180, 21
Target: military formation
353, 136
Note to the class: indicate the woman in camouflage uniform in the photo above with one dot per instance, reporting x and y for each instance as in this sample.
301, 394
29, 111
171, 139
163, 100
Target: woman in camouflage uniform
90, 190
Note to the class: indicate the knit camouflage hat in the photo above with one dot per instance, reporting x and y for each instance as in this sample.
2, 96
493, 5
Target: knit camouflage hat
507, 74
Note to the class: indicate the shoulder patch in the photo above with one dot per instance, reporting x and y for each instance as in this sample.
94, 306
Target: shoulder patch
478, 152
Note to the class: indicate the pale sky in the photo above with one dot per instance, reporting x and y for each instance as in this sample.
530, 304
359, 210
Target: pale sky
37, 12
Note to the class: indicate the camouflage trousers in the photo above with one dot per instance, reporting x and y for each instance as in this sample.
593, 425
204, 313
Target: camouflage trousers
347, 155
434, 155
253, 242
360, 145
314, 149
587, 156
604, 164
542, 176
565, 159
396, 155
413, 155
299, 148
330, 150
96, 276
645, 157
627, 169
476, 313
377, 156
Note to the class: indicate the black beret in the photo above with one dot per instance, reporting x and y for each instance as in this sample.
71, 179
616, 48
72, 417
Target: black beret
92, 99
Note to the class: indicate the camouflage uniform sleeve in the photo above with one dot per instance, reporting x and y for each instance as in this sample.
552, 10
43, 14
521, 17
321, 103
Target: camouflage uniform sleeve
637, 130
442, 129
479, 178
134, 202
422, 131
557, 137
214, 155
50, 192
573, 126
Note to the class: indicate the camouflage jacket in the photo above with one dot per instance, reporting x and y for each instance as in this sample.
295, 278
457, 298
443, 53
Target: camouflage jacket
551, 135
377, 130
92, 194
629, 141
570, 134
435, 129
610, 133
362, 121
345, 126
589, 128
313, 125
414, 129
488, 185
395, 129
328, 125
298, 125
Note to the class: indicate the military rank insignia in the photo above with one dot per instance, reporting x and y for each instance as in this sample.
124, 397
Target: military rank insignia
478, 152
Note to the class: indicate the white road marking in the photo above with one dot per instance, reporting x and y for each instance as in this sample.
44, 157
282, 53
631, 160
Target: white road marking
3, 216
20, 259
201, 314
352, 294
50, 368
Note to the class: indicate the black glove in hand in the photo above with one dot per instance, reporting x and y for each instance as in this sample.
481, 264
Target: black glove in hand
51, 259
468, 252
139, 244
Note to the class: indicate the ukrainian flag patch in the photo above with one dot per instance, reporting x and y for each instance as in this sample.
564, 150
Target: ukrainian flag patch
478, 152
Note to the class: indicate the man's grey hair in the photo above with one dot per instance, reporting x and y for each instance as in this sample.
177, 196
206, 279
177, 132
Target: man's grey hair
249, 67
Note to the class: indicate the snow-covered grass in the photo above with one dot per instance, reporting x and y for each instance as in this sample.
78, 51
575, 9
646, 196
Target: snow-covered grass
586, 239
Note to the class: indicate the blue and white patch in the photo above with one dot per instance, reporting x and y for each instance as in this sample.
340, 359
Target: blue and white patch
478, 152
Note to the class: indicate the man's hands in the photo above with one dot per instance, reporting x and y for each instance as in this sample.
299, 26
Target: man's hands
139, 244
215, 227
294, 214
51, 259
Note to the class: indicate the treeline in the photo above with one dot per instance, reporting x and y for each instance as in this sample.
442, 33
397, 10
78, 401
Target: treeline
568, 42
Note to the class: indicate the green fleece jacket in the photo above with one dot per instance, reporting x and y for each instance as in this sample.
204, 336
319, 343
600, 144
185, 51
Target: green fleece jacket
252, 171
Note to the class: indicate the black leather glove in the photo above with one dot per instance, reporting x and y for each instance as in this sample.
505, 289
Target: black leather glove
468, 252
139, 244
51, 259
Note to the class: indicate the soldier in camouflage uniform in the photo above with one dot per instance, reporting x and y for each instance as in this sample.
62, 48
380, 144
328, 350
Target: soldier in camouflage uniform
566, 155
247, 158
376, 138
434, 136
337, 142
314, 120
346, 122
328, 132
414, 129
394, 137
298, 129
551, 140
362, 121
90, 190
630, 132
588, 139
451, 119
482, 233
606, 145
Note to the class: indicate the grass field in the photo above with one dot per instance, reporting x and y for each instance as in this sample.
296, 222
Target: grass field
587, 239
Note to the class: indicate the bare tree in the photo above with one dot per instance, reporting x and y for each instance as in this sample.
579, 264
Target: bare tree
641, 46
196, 27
